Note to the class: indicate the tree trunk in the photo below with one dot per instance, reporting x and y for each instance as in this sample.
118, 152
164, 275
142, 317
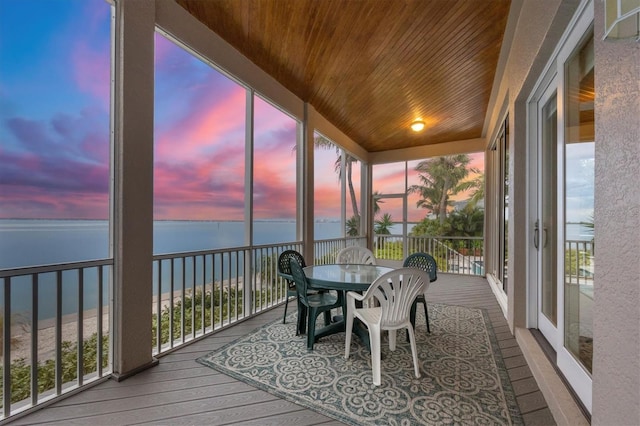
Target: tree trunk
442, 214
352, 192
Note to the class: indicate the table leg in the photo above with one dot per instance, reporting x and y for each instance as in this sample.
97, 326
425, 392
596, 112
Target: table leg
340, 325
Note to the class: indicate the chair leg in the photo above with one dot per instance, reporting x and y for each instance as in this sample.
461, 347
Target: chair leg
311, 323
302, 319
374, 338
392, 340
348, 330
286, 305
414, 350
426, 315
412, 316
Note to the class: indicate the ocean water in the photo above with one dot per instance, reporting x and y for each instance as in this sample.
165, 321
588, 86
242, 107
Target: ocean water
26, 243
43, 242
40, 242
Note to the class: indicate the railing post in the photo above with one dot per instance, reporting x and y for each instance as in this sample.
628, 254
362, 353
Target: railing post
247, 282
6, 349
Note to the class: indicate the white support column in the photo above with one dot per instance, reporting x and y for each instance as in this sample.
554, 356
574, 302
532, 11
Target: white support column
367, 189
248, 204
133, 187
307, 171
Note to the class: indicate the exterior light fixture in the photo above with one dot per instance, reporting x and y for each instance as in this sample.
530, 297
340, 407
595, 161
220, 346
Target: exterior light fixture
621, 19
417, 125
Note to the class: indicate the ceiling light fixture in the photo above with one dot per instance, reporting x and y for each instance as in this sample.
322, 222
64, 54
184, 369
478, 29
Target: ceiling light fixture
417, 125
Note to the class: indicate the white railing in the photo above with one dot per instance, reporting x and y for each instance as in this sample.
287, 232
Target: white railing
196, 293
579, 262
457, 255
55, 331
326, 250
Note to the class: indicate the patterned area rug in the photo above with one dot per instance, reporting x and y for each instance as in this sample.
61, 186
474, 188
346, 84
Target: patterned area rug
464, 380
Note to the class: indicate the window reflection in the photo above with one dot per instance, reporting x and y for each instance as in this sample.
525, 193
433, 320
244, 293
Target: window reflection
579, 204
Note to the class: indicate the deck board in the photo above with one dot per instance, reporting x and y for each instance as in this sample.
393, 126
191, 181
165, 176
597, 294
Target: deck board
181, 391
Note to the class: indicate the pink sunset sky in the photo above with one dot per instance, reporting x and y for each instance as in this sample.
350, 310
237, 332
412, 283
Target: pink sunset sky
54, 128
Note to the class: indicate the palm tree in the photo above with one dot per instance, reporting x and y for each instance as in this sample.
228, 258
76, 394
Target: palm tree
442, 177
468, 222
376, 202
322, 142
430, 194
353, 226
382, 226
478, 194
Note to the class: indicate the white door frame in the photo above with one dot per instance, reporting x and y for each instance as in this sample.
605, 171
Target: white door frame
546, 327
579, 379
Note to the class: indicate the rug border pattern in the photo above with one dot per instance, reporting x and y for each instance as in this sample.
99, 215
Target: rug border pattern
505, 381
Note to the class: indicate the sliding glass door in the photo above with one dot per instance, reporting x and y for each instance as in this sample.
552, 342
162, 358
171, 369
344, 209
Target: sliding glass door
562, 165
578, 200
545, 232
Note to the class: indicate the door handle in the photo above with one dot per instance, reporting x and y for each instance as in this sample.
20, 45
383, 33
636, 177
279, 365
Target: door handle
536, 234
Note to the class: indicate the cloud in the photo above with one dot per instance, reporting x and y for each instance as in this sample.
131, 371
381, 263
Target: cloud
209, 122
200, 145
55, 169
274, 186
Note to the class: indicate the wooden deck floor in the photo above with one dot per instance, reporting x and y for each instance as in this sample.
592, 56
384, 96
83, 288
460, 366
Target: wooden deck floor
181, 391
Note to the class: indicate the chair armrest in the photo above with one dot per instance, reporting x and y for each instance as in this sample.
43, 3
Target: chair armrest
356, 296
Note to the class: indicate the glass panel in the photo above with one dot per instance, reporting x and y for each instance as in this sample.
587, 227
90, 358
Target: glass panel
388, 220
327, 189
199, 154
547, 227
389, 193
505, 205
387, 228
495, 242
54, 131
448, 191
389, 178
54, 178
579, 204
274, 175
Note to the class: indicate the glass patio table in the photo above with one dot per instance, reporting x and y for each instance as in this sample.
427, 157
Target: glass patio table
343, 278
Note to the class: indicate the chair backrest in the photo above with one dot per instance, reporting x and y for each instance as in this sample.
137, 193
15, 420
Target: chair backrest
285, 259
300, 279
356, 255
395, 292
423, 261
284, 262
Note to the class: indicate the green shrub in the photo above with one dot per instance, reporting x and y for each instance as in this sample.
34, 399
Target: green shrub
231, 299
21, 370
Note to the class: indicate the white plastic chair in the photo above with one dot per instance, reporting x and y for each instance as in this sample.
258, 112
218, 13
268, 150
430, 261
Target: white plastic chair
356, 255
395, 292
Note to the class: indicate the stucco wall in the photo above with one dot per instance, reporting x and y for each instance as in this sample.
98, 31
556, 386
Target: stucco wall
616, 358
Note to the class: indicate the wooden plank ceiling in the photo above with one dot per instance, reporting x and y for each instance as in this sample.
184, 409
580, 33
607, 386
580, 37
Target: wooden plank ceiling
373, 66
